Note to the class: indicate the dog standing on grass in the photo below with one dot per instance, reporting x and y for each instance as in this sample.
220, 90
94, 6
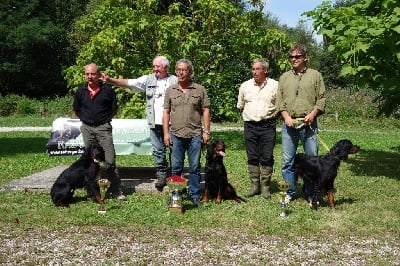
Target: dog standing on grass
216, 178
81, 174
321, 171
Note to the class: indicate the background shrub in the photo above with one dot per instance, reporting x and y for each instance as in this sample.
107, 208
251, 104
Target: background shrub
8, 104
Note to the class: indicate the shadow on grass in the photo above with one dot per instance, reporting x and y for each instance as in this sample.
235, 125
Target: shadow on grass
16, 145
375, 163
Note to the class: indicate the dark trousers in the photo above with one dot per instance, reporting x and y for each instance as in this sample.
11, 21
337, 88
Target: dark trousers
260, 138
103, 134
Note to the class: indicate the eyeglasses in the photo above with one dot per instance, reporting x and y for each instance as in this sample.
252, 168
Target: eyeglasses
181, 70
295, 56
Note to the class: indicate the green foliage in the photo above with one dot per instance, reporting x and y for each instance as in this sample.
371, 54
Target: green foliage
26, 106
34, 47
14, 105
219, 37
8, 104
365, 36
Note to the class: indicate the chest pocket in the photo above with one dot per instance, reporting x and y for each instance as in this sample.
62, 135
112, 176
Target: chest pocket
150, 91
177, 100
195, 100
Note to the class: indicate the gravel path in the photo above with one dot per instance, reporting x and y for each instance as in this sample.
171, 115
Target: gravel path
121, 246
10, 129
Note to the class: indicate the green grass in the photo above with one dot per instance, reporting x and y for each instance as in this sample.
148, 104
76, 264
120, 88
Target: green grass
366, 194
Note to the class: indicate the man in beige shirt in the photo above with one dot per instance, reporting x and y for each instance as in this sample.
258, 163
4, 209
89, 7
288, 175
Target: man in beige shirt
257, 100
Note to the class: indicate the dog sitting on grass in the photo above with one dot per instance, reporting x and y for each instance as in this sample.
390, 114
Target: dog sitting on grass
81, 174
216, 178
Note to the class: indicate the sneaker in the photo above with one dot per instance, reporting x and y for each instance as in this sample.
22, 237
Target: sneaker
196, 202
121, 197
288, 199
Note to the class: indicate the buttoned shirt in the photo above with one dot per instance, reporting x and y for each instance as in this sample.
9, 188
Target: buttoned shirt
300, 93
186, 109
257, 102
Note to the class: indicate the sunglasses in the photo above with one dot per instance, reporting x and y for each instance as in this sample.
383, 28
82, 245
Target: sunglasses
295, 56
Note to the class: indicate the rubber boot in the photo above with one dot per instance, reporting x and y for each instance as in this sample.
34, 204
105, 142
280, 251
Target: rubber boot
254, 172
265, 176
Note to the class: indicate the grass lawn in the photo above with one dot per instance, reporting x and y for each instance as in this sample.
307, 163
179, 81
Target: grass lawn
363, 230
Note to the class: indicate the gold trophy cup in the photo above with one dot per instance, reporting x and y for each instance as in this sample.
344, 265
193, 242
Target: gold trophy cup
176, 184
104, 184
283, 187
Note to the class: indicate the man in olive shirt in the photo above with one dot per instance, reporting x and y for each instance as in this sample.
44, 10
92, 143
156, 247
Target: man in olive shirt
300, 100
257, 100
185, 104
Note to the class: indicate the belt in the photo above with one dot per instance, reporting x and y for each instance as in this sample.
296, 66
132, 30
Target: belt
262, 122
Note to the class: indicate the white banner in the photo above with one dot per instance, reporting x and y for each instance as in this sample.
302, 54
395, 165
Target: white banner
131, 136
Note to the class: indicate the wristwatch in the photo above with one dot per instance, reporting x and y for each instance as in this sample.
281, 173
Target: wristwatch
207, 132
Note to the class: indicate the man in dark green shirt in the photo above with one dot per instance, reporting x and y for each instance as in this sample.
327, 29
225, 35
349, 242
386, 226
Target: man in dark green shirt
300, 100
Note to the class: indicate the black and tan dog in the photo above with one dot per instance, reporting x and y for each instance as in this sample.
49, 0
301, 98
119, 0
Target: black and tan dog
216, 178
81, 174
319, 172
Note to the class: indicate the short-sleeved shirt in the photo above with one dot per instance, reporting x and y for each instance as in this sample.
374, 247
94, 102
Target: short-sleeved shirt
96, 111
299, 94
186, 109
258, 103
157, 96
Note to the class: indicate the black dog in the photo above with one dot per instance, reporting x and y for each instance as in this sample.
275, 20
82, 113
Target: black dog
81, 174
216, 178
320, 171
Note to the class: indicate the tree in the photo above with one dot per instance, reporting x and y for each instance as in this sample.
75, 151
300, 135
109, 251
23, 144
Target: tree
218, 36
365, 36
34, 47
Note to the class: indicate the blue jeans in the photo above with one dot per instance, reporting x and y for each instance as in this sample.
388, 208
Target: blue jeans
290, 140
193, 148
157, 142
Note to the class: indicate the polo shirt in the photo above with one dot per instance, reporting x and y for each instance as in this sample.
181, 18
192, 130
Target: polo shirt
96, 111
186, 109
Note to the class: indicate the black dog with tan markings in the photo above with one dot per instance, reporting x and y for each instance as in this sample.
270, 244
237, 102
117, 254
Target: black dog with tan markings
216, 178
81, 174
320, 171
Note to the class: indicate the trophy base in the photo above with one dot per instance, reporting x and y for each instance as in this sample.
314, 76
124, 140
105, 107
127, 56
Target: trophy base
101, 210
180, 210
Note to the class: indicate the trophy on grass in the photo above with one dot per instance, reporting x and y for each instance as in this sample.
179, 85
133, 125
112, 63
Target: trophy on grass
283, 187
176, 184
104, 184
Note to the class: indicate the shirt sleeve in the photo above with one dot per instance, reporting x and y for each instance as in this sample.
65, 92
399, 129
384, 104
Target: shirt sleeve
138, 85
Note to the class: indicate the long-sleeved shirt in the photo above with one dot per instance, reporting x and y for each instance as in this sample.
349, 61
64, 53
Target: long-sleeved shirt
299, 94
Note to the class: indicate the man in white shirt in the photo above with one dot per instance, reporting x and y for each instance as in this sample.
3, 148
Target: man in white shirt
154, 85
